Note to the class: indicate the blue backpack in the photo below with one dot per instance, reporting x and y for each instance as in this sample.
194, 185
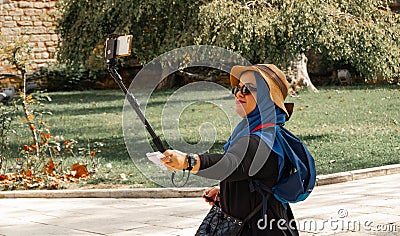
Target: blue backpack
296, 185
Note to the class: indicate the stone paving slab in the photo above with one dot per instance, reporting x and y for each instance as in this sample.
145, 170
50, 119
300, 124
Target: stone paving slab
361, 207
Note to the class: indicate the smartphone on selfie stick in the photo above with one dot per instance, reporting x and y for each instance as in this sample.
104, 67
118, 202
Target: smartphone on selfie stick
120, 46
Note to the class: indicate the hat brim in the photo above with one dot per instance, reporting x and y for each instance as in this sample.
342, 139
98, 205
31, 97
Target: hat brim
275, 92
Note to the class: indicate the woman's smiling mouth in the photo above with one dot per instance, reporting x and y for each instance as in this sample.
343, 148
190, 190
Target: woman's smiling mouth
239, 101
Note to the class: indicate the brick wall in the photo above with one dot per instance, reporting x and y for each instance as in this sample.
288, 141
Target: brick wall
33, 20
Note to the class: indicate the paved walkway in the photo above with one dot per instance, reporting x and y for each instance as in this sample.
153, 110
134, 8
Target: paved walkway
362, 207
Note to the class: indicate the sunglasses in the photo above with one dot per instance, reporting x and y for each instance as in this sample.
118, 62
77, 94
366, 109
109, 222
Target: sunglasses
245, 89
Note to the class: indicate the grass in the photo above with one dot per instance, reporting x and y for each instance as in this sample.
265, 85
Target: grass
345, 128
349, 128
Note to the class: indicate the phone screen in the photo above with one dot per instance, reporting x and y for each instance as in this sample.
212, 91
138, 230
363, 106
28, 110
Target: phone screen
124, 45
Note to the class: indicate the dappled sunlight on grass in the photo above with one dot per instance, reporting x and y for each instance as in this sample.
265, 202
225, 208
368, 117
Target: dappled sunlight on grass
349, 128
345, 128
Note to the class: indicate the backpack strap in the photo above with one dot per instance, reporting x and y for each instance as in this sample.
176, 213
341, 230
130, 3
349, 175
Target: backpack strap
264, 190
249, 216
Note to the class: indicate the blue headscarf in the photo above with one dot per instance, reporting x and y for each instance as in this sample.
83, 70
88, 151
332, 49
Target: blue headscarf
265, 113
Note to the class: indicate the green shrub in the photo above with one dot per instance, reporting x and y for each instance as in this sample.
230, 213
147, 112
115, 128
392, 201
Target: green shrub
362, 34
60, 77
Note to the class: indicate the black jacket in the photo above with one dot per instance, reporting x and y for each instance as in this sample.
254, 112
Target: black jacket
236, 199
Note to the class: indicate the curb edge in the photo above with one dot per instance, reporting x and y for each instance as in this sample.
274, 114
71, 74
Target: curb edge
186, 192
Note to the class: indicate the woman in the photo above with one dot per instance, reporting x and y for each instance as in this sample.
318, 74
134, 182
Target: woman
250, 153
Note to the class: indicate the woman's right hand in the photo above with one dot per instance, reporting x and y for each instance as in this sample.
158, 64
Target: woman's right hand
211, 195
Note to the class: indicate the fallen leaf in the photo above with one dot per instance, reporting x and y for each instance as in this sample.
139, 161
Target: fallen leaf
54, 185
3, 177
27, 173
79, 170
123, 176
32, 185
49, 168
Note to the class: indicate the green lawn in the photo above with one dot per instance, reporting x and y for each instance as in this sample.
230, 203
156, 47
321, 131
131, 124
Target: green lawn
349, 128
345, 128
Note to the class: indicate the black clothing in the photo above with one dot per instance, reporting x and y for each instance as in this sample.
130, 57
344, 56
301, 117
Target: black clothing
235, 196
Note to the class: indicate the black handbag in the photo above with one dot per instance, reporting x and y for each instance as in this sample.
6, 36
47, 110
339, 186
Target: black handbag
219, 223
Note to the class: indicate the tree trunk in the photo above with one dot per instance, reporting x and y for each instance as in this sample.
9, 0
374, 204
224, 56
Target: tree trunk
297, 74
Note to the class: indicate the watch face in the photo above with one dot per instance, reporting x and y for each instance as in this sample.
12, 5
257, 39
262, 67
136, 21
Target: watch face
192, 160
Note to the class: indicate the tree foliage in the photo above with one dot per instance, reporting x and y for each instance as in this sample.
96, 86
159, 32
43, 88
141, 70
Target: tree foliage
158, 26
362, 33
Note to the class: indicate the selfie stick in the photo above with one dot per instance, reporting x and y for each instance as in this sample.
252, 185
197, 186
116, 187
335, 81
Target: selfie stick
111, 56
112, 68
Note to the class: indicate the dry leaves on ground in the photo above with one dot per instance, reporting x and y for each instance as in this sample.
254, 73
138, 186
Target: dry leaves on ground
48, 178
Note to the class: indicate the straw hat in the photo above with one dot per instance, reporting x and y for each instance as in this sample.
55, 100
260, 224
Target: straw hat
275, 78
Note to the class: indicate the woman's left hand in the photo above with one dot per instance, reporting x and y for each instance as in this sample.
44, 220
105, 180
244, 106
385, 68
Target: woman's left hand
175, 160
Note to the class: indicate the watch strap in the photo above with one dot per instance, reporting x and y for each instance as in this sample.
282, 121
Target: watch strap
191, 159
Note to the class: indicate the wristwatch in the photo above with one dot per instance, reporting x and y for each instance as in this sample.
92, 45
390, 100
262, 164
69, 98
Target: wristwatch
192, 161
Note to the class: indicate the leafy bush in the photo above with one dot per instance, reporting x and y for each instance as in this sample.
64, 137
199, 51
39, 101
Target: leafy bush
157, 25
60, 77
362, 34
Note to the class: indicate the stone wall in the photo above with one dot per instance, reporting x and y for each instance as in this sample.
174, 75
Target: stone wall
33, 21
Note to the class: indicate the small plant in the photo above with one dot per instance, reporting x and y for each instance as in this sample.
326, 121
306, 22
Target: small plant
43, 158
45, 161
